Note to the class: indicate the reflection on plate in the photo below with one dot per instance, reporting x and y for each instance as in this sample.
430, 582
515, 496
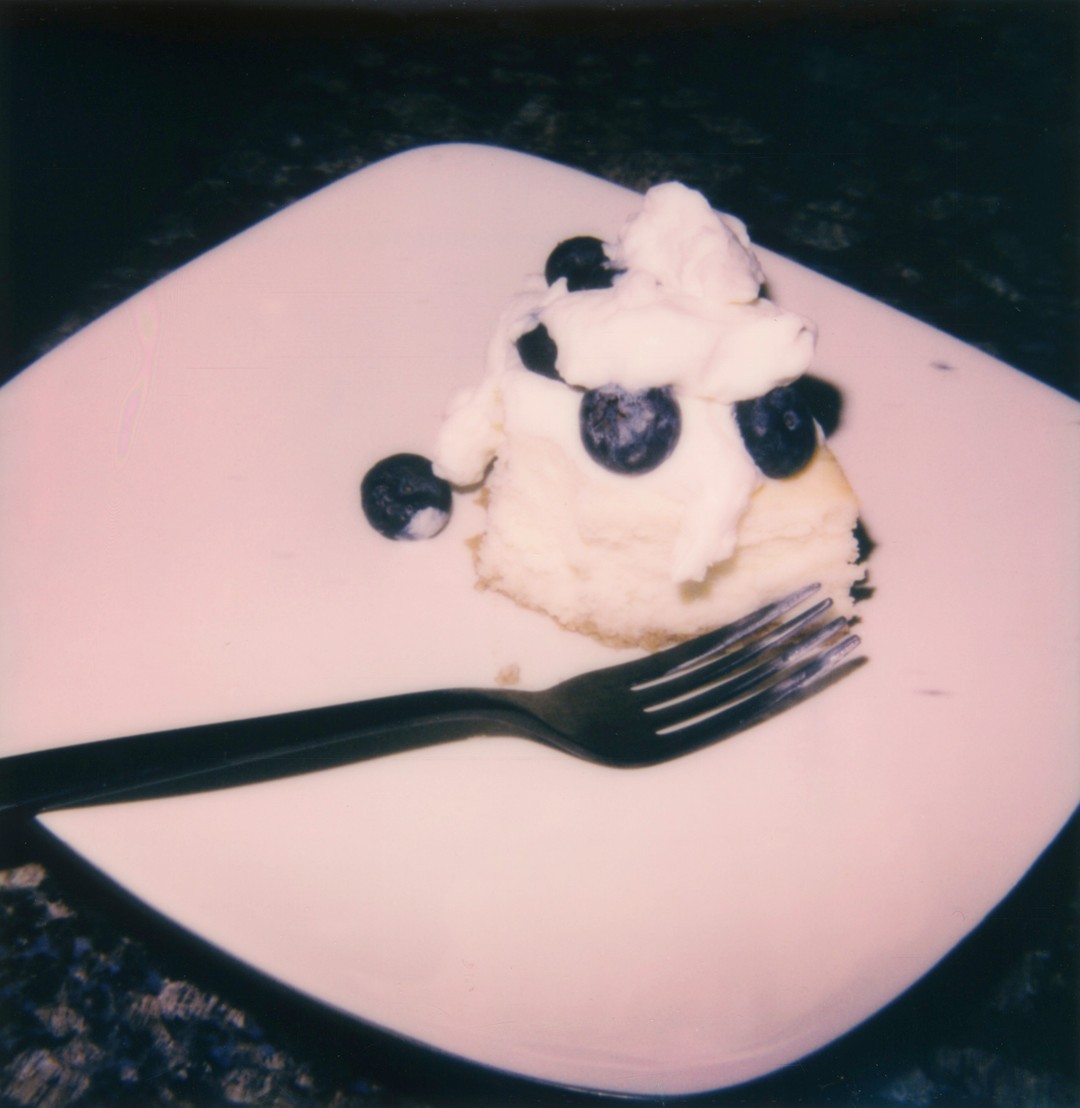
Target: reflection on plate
181, 541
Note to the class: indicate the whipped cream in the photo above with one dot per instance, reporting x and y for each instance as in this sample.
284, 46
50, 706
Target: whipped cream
684, 311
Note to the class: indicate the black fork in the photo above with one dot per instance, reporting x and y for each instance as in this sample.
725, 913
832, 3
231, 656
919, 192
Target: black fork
636, 714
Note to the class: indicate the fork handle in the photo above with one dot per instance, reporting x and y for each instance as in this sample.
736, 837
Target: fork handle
217, 755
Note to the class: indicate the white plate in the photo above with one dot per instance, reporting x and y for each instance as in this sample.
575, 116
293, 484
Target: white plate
182, 541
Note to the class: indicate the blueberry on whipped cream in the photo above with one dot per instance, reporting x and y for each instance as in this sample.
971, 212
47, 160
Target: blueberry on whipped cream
403, 499
582, 262
778, 431
538, 352
629, 431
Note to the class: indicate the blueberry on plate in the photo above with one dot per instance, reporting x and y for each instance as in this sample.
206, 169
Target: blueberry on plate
403, 499
538, 352
778, 431
629, 431
582, 262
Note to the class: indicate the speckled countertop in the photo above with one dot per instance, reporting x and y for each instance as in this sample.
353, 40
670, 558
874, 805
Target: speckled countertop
923, 153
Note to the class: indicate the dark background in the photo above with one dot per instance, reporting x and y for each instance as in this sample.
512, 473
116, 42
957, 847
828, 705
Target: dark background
924, 153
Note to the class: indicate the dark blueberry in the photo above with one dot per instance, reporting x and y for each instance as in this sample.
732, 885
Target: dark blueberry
824, 400
778, 431
403, 499
538, 352
582, 262
628, 431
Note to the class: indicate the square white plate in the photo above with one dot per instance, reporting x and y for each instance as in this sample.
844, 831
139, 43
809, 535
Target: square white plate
181, 540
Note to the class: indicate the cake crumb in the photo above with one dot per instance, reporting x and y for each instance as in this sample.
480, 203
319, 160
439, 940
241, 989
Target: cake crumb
509, 675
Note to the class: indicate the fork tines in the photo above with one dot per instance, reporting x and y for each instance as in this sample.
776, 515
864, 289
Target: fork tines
746, 669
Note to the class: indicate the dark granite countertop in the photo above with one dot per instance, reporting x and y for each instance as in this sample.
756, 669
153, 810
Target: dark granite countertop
924, 153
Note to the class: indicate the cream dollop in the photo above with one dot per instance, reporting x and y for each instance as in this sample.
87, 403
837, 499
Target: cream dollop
685, 311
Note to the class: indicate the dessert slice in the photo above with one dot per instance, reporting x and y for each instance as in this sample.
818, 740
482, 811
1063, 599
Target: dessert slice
651, 466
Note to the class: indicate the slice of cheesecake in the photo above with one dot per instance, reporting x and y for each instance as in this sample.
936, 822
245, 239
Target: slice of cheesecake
651, 467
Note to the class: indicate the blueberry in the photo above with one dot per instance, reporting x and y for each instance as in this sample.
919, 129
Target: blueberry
403, 499
824, 400
778, 431
629, 431
582, 262
538, 352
